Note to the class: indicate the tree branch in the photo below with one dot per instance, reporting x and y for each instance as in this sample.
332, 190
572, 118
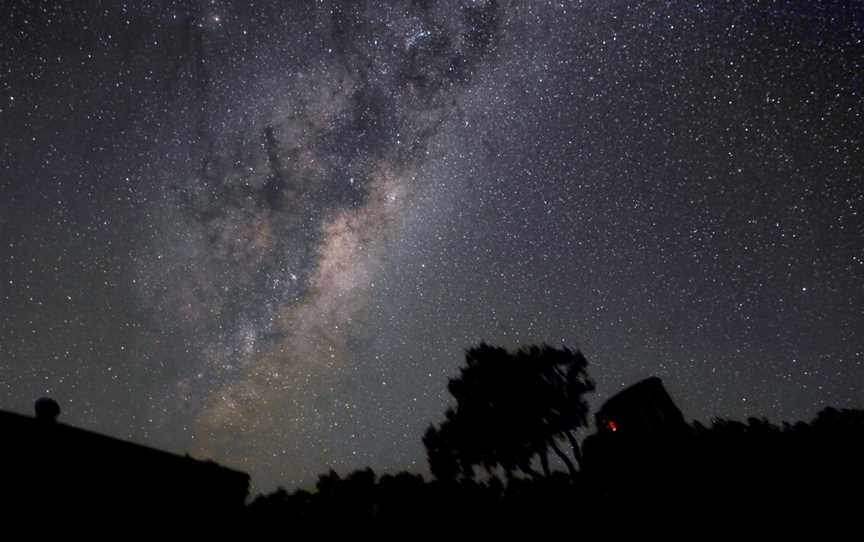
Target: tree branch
570, 468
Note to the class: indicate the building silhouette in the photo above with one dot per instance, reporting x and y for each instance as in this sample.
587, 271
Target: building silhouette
54, 468
641, 437
643, 409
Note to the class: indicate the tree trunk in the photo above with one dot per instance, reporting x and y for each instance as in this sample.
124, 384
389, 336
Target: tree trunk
544, 462
531, 472
570, 468
577, 454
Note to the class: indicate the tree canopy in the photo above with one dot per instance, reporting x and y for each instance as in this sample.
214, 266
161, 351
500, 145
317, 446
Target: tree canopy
512, 408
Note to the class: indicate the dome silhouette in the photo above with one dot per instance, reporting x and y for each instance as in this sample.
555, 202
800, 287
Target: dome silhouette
47, 409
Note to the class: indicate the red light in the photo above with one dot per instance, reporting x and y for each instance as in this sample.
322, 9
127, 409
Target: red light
611, 425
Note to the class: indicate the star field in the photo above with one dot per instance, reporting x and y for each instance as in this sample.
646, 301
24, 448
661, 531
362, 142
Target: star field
266, 233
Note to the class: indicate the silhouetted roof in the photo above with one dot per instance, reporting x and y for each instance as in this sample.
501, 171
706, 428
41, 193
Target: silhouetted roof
50, 462
643, 407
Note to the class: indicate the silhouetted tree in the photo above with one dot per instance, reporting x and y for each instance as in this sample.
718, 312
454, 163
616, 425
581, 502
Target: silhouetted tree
653, 471
512, 407
449, 453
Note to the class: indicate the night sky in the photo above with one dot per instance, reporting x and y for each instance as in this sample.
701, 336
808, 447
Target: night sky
265, 233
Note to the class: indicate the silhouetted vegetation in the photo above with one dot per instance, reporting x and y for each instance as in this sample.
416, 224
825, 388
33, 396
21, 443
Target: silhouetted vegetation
506, 454
644, 462
512, 409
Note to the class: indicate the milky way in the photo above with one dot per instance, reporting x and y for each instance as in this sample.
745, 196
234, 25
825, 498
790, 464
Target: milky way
266, 234
278, 239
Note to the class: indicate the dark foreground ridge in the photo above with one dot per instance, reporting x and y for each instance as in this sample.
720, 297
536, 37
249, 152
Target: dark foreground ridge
643, 465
